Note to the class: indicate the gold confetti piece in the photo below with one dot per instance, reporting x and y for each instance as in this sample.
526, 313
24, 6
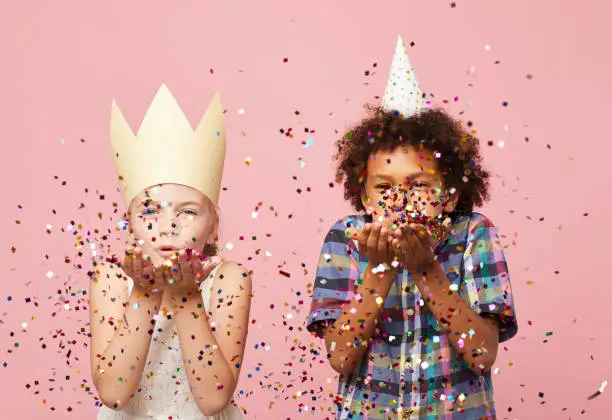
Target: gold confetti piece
248, 161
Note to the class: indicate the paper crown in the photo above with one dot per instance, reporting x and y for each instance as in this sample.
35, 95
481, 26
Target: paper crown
403, 92
167, 149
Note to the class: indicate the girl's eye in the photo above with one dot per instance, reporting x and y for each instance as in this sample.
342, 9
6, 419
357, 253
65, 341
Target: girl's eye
189, 212
382, 187
147, 212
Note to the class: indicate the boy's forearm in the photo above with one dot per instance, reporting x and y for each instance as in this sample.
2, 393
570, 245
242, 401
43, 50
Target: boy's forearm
471, 335
209, 374
120, 366
349, 336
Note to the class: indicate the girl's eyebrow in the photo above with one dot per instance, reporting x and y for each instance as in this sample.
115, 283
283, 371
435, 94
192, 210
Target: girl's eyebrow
147, 203
187, 203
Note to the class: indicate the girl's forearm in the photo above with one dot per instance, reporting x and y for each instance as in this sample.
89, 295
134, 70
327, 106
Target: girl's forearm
211, 378
120, 367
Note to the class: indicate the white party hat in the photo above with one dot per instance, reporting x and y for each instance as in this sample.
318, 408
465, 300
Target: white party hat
403, 92
168, 150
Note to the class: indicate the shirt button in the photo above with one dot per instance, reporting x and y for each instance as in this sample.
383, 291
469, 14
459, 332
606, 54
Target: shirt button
410, 312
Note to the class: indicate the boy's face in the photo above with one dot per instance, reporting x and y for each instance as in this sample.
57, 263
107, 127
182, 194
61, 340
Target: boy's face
170, 217
402, 181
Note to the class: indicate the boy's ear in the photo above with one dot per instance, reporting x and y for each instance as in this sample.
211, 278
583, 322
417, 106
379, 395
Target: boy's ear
451, 203
365, 199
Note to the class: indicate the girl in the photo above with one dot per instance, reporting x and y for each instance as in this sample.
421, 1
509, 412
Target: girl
168, 320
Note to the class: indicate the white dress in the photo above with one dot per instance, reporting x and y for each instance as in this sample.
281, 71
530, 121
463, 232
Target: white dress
164, 392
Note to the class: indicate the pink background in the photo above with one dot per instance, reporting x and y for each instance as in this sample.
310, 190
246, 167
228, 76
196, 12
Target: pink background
64, 61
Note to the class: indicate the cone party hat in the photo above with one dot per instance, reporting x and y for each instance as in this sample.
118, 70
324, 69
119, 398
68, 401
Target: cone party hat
403, 93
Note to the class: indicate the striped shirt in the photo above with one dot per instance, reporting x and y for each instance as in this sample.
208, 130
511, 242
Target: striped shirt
410, 370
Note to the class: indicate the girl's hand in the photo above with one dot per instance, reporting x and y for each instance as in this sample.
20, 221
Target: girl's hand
187, 271
416, 245
141, 270
374, 241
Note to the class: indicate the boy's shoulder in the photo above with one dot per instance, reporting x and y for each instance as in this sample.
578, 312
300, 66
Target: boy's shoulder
351, 221
336, 235
477, 221
469, 222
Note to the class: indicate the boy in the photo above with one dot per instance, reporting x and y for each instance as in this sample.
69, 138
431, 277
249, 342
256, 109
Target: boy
411, 307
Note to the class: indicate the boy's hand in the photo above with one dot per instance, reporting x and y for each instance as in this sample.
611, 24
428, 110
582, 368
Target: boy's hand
187, 271
416, 245
374, 242
141, 270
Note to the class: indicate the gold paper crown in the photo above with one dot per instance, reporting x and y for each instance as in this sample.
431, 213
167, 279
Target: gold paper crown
167, 149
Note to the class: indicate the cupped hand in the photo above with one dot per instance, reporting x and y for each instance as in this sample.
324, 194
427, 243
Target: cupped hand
187, 271
142, 271
416, 244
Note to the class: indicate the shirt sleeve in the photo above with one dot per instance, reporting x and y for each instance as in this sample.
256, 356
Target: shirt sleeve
486, 281
336, 279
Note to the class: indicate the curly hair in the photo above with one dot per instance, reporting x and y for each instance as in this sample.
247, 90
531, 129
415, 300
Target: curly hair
432, 129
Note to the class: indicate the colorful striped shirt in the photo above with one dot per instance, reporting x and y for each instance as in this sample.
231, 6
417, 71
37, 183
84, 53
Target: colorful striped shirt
411, 370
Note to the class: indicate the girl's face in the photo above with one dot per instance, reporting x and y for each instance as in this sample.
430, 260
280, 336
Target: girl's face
169, 217
403, 181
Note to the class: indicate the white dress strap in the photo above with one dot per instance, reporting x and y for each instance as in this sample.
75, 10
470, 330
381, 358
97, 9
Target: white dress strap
207, 285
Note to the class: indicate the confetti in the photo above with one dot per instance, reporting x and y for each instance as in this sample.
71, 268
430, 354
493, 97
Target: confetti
599, 391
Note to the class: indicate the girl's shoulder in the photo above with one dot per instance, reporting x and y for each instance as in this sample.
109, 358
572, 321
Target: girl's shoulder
229, 278
233, 270
109, 274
